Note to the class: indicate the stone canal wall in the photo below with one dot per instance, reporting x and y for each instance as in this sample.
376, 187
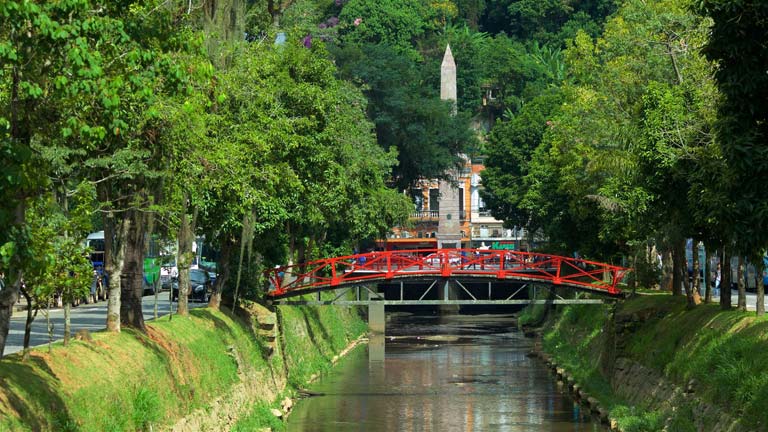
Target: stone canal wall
594, 352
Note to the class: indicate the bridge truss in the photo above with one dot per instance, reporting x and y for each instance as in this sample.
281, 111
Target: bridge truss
442, 267
364, 296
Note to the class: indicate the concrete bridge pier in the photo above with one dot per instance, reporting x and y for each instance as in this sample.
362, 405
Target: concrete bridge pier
376, 351
376, 328
376, 319
450, 292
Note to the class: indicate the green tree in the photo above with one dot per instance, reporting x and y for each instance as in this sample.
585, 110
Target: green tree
407, 117
736, 45
509, 153
49, 63
395, 23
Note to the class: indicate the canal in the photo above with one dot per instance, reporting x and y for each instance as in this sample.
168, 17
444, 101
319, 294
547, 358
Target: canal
454, 373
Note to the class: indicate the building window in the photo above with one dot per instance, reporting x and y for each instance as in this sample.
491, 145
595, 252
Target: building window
418, 199
481, 208
461, 204
434, 199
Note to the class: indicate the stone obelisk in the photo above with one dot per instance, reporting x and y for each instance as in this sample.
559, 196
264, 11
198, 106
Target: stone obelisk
448, 76
449, 224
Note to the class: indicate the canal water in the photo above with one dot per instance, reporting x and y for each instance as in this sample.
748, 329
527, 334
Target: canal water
455, 373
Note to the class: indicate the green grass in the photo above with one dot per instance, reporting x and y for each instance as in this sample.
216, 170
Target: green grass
314, 335
260, 418
532, 315
135, 381
725, 352
311, 336
575, 337
127, 381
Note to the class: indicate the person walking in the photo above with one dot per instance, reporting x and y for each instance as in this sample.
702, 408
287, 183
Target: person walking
716, 277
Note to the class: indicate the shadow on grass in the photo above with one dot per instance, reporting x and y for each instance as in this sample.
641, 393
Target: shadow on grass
162, 354
307, 313
33, 391
219, 323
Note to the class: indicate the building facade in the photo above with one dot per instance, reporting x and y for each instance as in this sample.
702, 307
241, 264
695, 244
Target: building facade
465, 208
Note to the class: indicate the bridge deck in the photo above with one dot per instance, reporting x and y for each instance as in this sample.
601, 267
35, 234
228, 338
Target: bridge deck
454, 264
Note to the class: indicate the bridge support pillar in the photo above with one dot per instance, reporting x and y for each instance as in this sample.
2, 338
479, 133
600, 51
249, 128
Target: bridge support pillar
450, 292
376, 352
376, 318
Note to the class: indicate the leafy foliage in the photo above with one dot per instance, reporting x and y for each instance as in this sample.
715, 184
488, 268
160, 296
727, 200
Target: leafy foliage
407, 116
735, 43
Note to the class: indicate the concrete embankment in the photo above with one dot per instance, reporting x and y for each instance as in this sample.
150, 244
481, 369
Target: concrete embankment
649, 364
208, 371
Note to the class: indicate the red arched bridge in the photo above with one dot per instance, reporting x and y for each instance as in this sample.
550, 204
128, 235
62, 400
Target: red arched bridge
463, 266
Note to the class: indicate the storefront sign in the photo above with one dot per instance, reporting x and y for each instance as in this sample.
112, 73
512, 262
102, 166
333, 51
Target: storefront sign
502, 246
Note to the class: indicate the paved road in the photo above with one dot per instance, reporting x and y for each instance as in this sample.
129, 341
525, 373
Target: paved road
92, 317
751, 298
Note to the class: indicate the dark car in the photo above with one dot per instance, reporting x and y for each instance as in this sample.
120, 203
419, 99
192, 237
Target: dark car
200, 286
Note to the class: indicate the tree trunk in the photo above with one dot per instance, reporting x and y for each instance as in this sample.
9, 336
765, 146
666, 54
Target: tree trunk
667, 270
114, 262
725, 279
239, 268
185, 256
678, 274
132, 277
67, 320
291, 243
28, 324
147, 251
68, 295
157, 296
694, 295
9, 295
759, 287
49, 326
742, 302
224, 267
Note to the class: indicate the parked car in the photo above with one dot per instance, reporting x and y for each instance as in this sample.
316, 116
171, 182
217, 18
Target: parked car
200, 286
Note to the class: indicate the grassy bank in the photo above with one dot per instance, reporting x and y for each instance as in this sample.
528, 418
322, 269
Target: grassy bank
311, 338
134, 381
724, 355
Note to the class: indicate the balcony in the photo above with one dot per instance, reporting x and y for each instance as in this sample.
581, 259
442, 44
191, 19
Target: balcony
497, 233
426, 215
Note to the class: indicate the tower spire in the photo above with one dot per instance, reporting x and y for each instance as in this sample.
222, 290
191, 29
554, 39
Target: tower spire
448, 76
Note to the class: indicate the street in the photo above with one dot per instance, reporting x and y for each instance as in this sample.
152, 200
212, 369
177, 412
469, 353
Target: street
751, 298
86, 316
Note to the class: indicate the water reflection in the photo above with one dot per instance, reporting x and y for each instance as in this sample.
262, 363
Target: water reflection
461, 373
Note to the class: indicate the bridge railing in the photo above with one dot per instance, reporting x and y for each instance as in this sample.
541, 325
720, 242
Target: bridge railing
499, 264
